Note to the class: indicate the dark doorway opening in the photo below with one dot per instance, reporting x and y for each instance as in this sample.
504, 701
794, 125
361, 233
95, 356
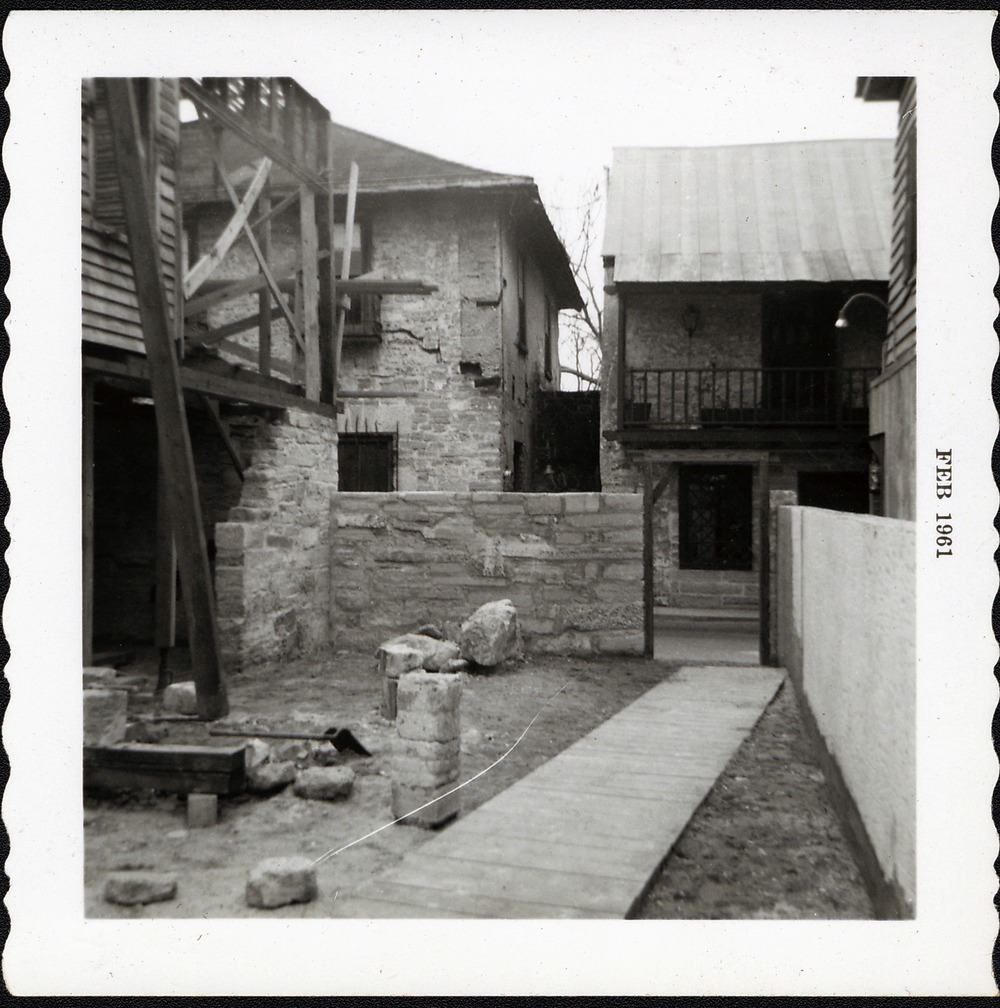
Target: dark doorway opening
716, 517
837, 491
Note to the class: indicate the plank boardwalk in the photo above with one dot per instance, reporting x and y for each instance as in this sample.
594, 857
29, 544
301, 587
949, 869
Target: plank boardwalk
583, 834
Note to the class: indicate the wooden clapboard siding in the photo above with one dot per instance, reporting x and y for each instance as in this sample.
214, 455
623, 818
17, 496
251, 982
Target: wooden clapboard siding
902, 337
110, 309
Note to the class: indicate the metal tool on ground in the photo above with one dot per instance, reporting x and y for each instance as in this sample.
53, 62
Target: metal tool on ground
342, 738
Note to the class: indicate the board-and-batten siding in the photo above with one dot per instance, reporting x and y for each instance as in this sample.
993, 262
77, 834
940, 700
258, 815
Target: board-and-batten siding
902, 337
110, 309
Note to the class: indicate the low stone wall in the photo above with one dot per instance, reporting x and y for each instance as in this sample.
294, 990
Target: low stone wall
570, 563
846, 596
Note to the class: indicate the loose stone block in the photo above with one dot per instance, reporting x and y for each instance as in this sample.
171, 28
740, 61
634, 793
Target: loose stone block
407, 800
491, 634
267, 777
278, 881
324, 783
98, 675
256, 752
202, 810
105, 716
429, 706
180, 698
133, 888
394, 659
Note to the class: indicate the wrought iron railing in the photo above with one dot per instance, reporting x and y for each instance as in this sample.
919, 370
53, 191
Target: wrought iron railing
746, 397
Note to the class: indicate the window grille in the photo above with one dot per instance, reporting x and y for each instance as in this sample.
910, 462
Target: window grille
367, 462
716, 517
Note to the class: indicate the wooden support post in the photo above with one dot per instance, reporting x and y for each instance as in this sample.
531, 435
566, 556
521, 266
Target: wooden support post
620, 370
328, 317
764, 560
310, 288
345, 269
88, 520
166, 578
222, 430
171, 420
264, 295
647, 559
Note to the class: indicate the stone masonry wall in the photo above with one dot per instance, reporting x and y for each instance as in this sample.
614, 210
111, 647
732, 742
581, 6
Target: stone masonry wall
272, 565
570, 563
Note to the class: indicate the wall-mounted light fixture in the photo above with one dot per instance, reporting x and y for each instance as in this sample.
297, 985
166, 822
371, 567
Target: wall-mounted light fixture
690, 319
842, 322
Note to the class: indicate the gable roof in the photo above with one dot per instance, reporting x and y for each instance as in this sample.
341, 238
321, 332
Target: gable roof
386, 168
818, 211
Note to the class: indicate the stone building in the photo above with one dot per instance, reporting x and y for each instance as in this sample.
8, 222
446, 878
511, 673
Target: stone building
724, 375
440, 387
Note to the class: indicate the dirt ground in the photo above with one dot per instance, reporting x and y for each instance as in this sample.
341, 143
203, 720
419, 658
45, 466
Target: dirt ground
764, 844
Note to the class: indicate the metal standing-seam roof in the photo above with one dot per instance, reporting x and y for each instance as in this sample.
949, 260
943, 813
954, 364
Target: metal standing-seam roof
817, 211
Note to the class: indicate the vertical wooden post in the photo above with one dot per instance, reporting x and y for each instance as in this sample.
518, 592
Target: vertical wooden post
620, 372
264, 297
345, 269
88, 520
309, 242
764, 559
166, 577
647, 559
328, 324
168, 398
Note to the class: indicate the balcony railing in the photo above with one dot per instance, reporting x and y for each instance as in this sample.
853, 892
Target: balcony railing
686, 398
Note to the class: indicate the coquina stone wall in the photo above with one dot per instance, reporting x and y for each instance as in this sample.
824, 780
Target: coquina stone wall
847, 612
570, 563
272, 563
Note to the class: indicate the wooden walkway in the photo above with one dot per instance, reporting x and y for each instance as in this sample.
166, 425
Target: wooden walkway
583, 834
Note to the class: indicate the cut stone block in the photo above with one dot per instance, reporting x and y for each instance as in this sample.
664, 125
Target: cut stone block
324, 783
180, 698
426, 764
105, 716
278, 881
131, 888
202, 810
395, 659
408, 799
491, 634
99, 675
433, 651
429, 706
267, 777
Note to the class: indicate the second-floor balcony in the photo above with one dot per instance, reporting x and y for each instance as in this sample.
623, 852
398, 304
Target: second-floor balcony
692, 398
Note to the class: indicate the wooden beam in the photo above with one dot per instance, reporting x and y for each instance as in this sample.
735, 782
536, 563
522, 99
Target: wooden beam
187, 769
764, 559
165, 616
274, 149
345, 272
171, 419
210, 336
267, 214
329, 316
209, 262
88, 520
222, 430
264, 312
309, 244
647, 560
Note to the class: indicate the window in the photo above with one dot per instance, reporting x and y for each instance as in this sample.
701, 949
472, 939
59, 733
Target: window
522, 311
716, 517
366, 462
363, 318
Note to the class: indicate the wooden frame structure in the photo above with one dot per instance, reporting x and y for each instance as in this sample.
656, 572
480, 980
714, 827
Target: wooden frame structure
141, 297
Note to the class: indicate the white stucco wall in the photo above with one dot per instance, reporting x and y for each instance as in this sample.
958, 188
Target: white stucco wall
847, 598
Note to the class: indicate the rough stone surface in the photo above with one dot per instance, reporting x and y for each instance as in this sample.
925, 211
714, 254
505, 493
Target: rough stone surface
257, 751
99, 675
133, 888
202, 810
143, 731
433, 652
104, 716
266, 777
278, 881
407, 800
429, 706
491, 634
395, 659
324, 783
429, 630
291, 750
180, 698
455, 665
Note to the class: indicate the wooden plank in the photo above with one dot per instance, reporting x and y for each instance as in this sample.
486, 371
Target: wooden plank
309, 247
328, 307
764, 560
345, 272
210, 336
264, 311
208, 263
185, 769
171, 419
88, 519
647, 560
